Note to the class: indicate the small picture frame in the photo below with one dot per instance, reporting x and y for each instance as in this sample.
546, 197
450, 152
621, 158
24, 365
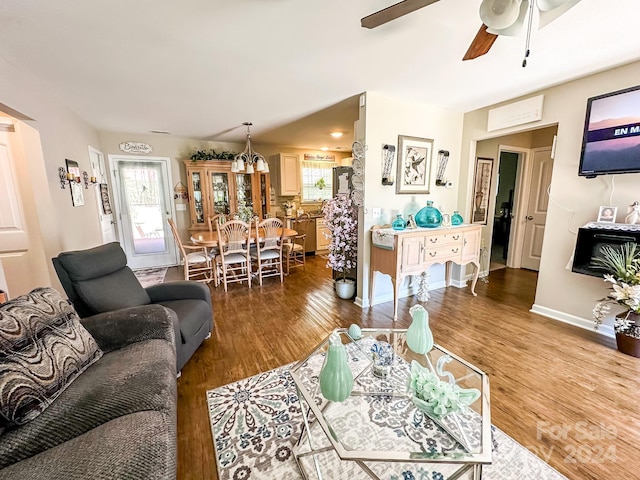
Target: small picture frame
607, 214
414, 164
104, 196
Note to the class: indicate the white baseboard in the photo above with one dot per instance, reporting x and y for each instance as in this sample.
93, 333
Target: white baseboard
606, 330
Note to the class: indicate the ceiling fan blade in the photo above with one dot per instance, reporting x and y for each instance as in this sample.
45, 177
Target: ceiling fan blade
394, 11
481, 44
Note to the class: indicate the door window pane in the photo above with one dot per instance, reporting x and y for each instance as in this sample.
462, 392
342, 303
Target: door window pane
143, 193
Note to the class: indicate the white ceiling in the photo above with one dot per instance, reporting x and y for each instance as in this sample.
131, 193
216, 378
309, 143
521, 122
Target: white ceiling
294, 68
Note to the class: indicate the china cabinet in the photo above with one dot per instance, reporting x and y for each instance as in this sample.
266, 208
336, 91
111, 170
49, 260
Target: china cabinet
213, 189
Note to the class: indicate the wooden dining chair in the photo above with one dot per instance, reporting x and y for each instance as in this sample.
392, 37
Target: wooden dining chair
212, 220
234, 259
294, 249
267, 251
198, 264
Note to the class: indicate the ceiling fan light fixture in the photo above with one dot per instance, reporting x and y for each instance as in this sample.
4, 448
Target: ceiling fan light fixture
499, 14
549, 15
517, 27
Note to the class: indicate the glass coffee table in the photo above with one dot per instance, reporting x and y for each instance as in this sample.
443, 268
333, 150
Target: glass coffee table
378, 432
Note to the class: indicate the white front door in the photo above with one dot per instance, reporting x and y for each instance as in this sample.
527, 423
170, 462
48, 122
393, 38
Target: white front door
537, 206
143, 204
103, 196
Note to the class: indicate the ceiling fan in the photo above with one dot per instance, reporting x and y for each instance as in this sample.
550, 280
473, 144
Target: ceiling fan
499, 17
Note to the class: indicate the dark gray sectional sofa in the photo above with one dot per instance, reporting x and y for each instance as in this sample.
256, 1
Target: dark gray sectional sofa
117, 420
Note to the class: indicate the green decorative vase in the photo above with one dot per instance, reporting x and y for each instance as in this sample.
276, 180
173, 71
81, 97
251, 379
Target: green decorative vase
419, 336
336, 379
456, 218
429, 216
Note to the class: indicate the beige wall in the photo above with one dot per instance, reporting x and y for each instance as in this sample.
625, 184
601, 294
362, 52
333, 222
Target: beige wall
385, 119
575, 200
53, 223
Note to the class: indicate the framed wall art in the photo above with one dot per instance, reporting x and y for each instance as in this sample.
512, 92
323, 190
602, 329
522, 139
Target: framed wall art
77, 196
481, 190
414, 164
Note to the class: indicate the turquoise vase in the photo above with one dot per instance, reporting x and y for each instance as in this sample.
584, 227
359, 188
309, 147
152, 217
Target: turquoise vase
399, 223
456, 218
336, 379
419, 336
429, 216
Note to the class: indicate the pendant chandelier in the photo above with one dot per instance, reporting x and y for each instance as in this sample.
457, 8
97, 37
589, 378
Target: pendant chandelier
249, 159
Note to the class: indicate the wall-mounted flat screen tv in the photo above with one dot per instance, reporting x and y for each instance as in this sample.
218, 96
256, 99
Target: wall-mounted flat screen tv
611, 141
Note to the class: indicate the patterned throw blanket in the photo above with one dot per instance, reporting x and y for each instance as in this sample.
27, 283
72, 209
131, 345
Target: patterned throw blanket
257, 421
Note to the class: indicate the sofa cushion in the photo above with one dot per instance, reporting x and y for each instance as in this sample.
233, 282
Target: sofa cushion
192, 315
101, 278
138, 446
140, 377
93, 262
43, 349
116, 290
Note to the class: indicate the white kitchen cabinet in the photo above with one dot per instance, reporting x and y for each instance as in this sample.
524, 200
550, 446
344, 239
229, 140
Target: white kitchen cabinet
323, 235
285, 173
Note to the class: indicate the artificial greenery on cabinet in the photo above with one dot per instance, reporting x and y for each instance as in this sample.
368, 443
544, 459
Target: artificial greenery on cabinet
203, 155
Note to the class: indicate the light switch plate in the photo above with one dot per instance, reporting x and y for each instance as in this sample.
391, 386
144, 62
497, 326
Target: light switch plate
376, 212
181, 207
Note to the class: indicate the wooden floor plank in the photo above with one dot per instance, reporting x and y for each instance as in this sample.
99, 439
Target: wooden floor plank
545, 375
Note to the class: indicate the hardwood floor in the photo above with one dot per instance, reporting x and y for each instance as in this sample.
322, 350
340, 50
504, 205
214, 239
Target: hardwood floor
564, 393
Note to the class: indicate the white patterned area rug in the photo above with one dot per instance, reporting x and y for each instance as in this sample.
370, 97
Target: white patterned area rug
150, 276
256, 422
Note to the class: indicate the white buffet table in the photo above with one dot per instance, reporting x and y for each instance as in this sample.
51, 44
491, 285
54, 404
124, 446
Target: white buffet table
400, 253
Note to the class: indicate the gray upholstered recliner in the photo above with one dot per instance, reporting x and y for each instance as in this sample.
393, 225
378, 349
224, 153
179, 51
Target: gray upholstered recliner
98, 280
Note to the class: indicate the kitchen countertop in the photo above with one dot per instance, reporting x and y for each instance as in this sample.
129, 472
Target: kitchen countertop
291, 217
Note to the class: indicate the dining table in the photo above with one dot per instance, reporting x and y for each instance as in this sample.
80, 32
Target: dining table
208, 238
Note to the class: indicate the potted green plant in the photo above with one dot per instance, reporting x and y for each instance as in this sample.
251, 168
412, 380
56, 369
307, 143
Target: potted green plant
340, 217
320, 184
622, 267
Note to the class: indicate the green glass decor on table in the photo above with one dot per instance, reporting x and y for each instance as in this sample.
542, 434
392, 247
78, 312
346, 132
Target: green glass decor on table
399, 223
456, 218
436, 397
419, 336
336, 379
355, 332
429, 216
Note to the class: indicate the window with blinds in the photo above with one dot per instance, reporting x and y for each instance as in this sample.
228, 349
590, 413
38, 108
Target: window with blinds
317, 180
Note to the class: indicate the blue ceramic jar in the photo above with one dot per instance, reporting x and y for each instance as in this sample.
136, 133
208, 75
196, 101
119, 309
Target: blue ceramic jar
399, 223
456, 218
429, 216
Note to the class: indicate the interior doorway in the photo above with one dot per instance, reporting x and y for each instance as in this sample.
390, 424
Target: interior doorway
504, 205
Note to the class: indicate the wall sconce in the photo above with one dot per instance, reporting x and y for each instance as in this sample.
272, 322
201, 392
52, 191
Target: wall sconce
388, 154
89, 180
67, 177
